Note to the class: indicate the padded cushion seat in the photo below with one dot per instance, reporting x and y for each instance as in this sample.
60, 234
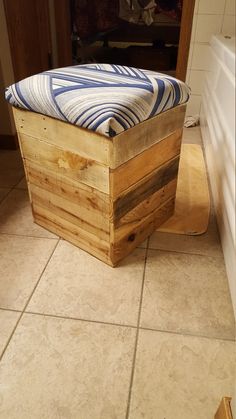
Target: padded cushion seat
108, 99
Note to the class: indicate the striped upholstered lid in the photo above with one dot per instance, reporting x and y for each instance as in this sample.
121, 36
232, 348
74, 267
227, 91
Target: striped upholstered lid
104, 98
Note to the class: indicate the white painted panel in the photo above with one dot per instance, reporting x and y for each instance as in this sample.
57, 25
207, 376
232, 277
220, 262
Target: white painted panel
230, 7
201, 57
206, 26
193, 107
196, 81
211, 6
228, 27
218, 133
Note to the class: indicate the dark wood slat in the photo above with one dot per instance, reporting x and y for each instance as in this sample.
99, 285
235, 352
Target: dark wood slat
147, 188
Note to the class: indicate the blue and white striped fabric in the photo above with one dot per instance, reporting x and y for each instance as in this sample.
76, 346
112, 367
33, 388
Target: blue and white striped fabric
104, 98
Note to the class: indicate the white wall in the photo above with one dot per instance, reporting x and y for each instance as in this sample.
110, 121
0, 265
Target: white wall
210, 17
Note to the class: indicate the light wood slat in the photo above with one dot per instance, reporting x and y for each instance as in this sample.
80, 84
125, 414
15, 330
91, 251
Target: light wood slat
121, 247
73, 138
65, 162
135, 169
73, 191
79, 237
224, 410
95, 222
109, 151
134, 141
77, 222
145, 188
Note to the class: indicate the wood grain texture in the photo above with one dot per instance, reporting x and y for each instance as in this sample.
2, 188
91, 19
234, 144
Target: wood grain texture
135, 169
146, 207
69, 164
79, 237
67, 136
123, 244
145, 188
70, 189
109, 151
104, 195
134, 141
224, 410
87, 220
92, 210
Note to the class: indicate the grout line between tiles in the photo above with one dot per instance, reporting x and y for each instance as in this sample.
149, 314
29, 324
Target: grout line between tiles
186, 334
223, 15
27, 302
8, 193
57, 316
29, 235
11, 188
21, 188
10, 309
23, 177
186, 253
137, 335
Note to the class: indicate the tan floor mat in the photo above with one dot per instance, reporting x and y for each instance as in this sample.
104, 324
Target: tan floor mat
192, 207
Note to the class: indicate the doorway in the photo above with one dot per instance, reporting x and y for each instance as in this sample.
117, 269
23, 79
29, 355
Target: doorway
162, 45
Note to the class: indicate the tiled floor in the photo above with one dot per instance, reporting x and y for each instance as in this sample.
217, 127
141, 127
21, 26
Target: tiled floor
150, 339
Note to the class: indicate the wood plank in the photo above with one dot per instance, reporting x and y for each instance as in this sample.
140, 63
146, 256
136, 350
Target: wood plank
145, 188
134, 141
121, 247
65, 162
63, 228
145, 208
135, 169
94, 222
109, 151
224, 410
76, 192
62, 134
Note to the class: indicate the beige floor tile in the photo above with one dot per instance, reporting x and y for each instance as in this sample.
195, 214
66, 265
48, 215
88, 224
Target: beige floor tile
187, 294
8, 321
22, 184
57, 368
143, 245
206, 244
22, 259
3, 193
11, 168
16, 216
75, 284
192, 135
180, 377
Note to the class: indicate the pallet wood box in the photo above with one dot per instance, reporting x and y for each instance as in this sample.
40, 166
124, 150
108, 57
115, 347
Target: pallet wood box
224, 410
105, 195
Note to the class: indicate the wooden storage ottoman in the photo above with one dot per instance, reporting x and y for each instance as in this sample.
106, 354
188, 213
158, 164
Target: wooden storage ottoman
104, 194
